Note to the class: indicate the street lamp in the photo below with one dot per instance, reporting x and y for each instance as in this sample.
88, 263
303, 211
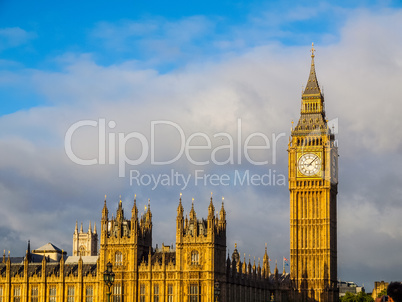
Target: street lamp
217, 291
108, 277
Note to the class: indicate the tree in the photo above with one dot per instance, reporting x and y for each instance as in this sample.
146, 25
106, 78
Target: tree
360, 297
382, 293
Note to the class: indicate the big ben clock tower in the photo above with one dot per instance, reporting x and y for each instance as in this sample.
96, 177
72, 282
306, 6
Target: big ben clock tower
313, 160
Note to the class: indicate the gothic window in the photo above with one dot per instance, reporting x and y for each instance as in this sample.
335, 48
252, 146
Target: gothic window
118, 258
195, 258
89, 294
170, 293
194, 293
70, 294
52, 294
156, 293
17, 294
117, 293
142, 293
81, 251
34, 294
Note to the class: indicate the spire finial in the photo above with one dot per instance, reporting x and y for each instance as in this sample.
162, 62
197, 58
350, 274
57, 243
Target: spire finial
312, 50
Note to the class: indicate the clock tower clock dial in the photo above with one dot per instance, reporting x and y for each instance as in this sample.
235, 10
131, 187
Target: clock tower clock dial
309, 164
313, 185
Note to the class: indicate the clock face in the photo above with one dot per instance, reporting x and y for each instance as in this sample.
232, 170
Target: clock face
309, 164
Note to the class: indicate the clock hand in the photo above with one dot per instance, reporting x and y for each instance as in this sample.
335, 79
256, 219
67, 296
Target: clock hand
313, 160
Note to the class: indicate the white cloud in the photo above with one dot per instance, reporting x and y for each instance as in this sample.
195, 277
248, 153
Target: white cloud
14, 36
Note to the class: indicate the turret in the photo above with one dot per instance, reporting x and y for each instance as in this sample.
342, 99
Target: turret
134, 218
180, 219
105, 211
222, 217
193, 215
265, 264
211, 220
104, 222
244, 268
276, 272
148, 216
236, 255
120, 213
134, 210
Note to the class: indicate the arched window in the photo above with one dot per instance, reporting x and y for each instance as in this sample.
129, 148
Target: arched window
81, 251
118, 258
195, 258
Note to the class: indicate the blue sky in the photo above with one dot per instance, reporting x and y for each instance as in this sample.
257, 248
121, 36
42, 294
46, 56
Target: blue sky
158, 35
203, 65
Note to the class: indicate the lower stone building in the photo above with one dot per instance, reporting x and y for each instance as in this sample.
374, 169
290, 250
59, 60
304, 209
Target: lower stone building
195, 270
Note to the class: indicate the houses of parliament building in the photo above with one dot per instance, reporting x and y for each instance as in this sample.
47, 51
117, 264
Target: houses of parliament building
197, 268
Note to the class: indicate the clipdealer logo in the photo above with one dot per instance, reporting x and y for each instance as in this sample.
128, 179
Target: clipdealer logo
114, 145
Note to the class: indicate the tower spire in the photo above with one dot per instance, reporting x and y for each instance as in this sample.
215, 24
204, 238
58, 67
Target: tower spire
312, 114
134, 210
192, 212
312, 86
180, 208
222, 212
211, 208
105, 211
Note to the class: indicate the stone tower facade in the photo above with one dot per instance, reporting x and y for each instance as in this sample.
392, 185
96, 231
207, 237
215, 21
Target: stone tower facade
313, 160
85, 244
200, 251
